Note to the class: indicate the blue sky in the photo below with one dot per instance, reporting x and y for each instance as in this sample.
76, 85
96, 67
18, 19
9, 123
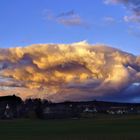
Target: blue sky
111, 22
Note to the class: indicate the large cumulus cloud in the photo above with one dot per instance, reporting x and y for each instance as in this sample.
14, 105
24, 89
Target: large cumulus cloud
77, 71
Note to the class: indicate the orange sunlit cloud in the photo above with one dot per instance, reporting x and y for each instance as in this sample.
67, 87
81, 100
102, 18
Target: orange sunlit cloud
59, 72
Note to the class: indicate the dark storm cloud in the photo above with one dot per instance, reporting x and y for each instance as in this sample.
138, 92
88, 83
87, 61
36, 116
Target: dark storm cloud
129, 94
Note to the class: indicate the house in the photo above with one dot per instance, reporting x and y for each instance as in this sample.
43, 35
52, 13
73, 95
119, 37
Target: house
90, 110
117, 110
8, 106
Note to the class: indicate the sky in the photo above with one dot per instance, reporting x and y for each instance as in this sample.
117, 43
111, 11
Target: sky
111, 22
70, 49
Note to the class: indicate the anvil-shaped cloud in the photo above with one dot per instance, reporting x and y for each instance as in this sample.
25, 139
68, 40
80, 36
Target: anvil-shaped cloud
77, 71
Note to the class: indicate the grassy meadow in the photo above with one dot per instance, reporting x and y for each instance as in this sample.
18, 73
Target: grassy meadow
98, 128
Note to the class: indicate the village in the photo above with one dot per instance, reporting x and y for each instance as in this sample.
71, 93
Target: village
12, 107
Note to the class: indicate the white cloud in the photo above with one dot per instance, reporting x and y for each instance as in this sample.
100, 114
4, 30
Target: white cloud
132, 18
69, 18
132, 5
109, 20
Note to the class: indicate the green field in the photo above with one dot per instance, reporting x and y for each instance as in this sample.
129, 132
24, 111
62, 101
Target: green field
98, 128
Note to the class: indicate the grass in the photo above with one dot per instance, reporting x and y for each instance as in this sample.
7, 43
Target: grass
99, 128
